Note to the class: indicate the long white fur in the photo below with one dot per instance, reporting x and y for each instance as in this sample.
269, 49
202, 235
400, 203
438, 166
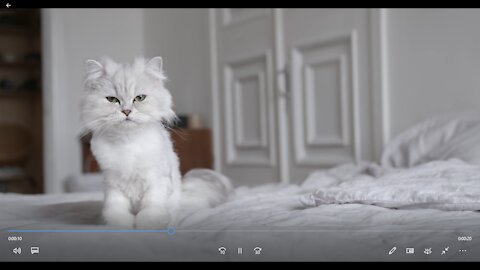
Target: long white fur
141, 170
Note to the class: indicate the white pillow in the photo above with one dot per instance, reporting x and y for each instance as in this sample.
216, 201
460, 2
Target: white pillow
455, 135
86, 182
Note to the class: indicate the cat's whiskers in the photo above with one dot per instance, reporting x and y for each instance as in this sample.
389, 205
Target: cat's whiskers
177, 131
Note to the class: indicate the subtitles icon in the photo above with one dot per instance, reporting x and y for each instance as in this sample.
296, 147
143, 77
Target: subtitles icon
34, 250
410, 250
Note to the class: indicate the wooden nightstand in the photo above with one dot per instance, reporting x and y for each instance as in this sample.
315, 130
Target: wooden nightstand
193, 146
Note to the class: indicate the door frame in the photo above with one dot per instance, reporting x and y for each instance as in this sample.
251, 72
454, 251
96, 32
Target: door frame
53, 93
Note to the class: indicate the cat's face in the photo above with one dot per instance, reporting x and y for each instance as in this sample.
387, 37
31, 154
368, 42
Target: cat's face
125, 96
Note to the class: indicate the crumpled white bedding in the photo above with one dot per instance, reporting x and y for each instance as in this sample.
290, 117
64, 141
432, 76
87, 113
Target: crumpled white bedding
444, 185
440, 185
343, 202
440, 137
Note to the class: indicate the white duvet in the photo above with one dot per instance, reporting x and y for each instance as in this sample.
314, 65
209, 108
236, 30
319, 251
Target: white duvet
445, 185
351, 212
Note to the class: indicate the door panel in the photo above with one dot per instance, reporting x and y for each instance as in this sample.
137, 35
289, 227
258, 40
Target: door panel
329, 107
247, 85
245, 92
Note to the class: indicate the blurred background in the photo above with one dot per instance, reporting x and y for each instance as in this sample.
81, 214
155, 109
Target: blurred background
266, 95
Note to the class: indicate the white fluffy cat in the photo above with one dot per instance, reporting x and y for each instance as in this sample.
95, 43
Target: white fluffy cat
126, 107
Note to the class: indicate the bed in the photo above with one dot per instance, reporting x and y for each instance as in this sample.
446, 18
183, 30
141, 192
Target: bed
421, 202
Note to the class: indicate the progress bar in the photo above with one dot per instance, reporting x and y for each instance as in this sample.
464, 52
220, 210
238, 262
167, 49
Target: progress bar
169, 230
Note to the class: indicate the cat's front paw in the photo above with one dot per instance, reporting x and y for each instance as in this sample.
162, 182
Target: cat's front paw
152, 219
119, 219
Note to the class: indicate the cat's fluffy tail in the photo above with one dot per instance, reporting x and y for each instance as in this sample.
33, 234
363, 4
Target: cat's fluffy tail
204, 188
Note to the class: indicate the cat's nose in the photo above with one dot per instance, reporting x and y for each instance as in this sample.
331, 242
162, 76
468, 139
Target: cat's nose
126, 112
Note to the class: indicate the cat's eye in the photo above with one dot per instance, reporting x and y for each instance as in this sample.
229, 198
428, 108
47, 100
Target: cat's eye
139, 98
113, 99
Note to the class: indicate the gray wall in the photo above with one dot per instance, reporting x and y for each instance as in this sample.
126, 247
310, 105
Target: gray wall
180, 36
434, 63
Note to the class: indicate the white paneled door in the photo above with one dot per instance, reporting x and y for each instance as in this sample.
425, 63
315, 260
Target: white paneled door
327, 52
292, 91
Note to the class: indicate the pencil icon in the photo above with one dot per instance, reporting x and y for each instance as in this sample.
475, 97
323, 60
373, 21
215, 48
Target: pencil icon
392, 250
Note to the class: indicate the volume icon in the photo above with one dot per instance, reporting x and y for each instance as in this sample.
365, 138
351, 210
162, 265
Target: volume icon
17, 250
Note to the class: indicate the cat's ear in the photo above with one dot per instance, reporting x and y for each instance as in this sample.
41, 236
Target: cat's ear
155, 64
93, 67
94, 71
